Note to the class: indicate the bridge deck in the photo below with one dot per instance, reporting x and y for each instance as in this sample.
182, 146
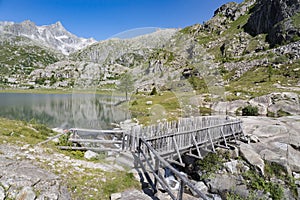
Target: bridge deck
163, 142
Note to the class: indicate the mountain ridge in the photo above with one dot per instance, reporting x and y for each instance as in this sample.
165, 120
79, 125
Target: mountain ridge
223, 45
53, 35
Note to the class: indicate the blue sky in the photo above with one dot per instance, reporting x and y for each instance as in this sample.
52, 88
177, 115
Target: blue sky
101, 19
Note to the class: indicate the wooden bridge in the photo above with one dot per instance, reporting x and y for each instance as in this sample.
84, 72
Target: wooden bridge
158, 146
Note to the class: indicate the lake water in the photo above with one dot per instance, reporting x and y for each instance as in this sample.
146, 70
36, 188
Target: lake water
63, 110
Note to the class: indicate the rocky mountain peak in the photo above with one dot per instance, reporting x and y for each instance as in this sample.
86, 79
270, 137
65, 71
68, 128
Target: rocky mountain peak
28, 23
228, 10
54, 36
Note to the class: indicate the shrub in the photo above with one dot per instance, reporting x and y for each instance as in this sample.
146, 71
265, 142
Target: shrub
134, 103
250, 111
153, 92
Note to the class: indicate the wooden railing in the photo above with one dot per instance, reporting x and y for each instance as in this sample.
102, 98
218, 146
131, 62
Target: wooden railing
158, 145
146, 151
171, 139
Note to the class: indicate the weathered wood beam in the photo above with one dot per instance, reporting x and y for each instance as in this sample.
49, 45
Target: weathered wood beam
96, 141
176, 172
194, 156
177, 150
210, 139
176, 162
87, 148
96, 131
196, 145
222, 132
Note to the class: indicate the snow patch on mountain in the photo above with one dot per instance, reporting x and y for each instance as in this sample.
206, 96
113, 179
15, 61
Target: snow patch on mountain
54, 35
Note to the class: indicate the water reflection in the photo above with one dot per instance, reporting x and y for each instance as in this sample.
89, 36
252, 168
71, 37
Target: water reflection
63, 110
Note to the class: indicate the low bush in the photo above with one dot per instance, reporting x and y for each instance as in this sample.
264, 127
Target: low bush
250, 111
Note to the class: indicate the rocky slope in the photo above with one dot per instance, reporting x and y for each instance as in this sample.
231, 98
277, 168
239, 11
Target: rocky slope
231, 56
276, 18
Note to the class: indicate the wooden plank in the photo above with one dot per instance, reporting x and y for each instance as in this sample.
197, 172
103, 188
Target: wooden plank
177, 150
96, 131
194, 156
96, 141
222, 132
233, 134
222, 146
181, 189
175, 162
196, 145
123, 141
87, 148
51, 138
212, 144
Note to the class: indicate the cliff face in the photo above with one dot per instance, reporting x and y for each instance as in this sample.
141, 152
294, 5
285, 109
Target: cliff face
275, 18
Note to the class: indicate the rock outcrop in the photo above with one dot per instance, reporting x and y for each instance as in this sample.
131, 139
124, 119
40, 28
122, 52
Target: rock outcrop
274, 18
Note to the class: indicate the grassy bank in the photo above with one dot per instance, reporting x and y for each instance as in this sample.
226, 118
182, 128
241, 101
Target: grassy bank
83, 182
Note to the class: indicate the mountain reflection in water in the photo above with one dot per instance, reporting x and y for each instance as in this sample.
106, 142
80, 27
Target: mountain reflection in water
63, 110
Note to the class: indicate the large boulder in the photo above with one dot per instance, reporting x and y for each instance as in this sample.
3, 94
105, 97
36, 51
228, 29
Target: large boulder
294, 160
90, 155
224, 183
26, 193
253, 158
275, 102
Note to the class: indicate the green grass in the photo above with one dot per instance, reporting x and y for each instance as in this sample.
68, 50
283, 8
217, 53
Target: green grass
27, 58
296, 20
259, 81
85, 185
19, 132
236, 26
97, 184
167, 104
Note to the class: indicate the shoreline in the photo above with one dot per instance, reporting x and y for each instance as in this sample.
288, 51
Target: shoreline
55, 91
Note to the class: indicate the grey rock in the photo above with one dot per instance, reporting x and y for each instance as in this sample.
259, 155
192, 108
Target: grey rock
229, 107
90, 155
294, 160
273, 17
134, 195
296, 175
201, 187
231, 166
228, 10
2, 193
22, 174
222, 183
252, 157
269, 131
115, 196
26, 193
253, 138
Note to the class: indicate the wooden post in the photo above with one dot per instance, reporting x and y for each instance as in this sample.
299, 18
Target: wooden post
212, 144
177, 150
233, 133
123, 141
181, 189
156, 171
224, 136
196, 145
